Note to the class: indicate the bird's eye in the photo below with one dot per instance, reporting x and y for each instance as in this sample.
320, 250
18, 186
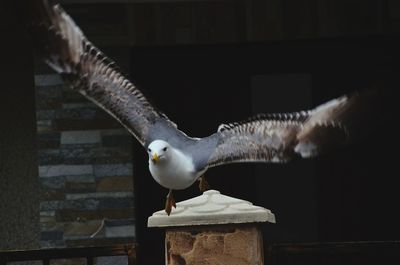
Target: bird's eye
149, 150
165, 149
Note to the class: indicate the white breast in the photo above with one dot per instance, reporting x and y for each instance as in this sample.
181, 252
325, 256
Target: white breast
176, 172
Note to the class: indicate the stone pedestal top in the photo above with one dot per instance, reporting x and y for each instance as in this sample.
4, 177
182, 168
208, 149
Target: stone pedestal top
211, 208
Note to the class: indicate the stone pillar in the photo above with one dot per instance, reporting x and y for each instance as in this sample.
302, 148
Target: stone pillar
213, 229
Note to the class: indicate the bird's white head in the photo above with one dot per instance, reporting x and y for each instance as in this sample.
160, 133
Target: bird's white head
158, 151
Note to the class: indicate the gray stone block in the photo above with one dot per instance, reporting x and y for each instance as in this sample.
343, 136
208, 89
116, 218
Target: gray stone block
122, 141
52, 235
80, 113
110, 203
47, 103
53, 183
80, 137
64, 170
47, 213
48, 114
121, 131
116, 260
107, 170
119, 222
120, 231
46, 136
88, 124
44, 126
52, 244
110, 160
110, 155
48, 92
78, 105
70, 96
96, 195
48, 157
80, 187
87, 204
48, 80
75, 154
81, 178
50, 205
52, 194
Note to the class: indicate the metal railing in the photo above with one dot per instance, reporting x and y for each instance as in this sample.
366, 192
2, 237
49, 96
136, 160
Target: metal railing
368, 252
88, 253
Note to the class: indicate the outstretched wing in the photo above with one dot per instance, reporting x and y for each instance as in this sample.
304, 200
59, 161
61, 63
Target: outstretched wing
280, 137
87, 70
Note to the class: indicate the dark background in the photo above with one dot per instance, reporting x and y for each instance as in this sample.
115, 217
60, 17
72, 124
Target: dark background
205, 77
347, 195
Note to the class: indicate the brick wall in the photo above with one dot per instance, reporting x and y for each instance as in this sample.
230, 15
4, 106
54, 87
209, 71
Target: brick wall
85, 169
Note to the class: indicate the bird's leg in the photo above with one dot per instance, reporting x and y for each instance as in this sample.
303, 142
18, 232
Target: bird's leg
203, 184
169, 203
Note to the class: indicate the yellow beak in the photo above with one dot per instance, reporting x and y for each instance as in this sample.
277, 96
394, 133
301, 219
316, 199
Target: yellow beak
155, 158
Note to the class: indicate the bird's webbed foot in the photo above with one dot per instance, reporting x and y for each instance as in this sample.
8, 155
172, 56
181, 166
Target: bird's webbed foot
203, 184
170, 202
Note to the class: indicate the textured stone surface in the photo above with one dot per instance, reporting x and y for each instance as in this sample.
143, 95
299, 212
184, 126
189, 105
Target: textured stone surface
44, 126
118, 260
92, 154
80, 187
222, 245
68, 215
50, 140
78, 105
70, 96
111, 203
83, 113
120, 194
80, 137
77, 139
82, 124
49, 103
48, 80
53, 183
115, 184
52, 195
120, 231
113, 170
85, 204
63, 170
211, 208
213, 229
117, 140
45, 114
112, 132
49, 156
80, 261
25, 263
79, 229
52, 235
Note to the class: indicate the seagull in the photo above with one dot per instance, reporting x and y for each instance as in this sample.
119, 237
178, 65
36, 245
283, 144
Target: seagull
176, 160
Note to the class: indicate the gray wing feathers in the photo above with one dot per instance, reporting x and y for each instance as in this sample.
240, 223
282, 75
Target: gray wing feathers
280, 137
256, 141
86, 69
